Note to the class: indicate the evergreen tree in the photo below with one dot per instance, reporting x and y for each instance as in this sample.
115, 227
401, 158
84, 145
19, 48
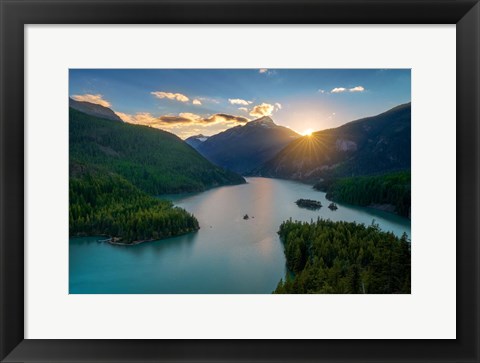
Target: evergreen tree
343, 257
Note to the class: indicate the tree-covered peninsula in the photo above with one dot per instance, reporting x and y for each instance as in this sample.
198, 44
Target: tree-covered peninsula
117, 169
107, 204
391, 190
326, 257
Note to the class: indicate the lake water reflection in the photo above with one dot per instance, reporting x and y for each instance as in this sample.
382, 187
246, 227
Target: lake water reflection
227, 255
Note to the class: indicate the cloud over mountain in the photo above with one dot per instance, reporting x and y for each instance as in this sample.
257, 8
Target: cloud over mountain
146, 118
264, 109
98, 99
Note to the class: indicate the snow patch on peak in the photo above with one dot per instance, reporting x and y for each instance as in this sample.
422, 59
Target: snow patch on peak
199, 137
265, 121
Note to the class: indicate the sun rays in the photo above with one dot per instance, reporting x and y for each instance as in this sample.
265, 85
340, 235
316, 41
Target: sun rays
307, 132
310, 147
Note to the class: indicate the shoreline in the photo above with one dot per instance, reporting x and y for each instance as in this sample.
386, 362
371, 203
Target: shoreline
390, 208
173, 197
134, 243
110, 240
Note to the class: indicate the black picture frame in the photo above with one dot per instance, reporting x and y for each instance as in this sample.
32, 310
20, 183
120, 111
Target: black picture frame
15, 14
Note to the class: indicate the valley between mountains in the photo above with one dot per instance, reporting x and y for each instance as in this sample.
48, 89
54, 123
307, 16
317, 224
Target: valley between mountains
131, 184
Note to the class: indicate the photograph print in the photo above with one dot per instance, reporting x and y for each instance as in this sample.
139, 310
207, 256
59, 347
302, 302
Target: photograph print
239, 181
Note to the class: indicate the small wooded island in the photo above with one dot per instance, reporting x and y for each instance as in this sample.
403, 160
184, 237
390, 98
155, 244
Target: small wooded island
309, 203
332, 206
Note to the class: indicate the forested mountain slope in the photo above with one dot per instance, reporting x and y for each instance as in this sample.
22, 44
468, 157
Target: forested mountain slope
153, 160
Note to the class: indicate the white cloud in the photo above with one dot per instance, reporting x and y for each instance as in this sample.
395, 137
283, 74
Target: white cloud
98, 99
140, 118
207, 99
342, 89
171, 96
238, 101
279, 105
321, 90
190, 116
264, 109
125, 117
266, 71
196, 102
357, 89
244, 109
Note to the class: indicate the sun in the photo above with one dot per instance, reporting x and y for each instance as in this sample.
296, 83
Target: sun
307, 132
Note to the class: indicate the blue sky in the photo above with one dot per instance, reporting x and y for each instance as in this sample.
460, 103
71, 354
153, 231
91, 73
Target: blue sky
207, 101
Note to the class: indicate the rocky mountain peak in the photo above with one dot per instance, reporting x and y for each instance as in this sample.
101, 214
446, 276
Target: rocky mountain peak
94, 109
265, 120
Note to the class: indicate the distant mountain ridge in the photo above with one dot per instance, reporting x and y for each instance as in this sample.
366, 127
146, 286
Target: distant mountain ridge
244, 148
195, 140
94, 109
367, 146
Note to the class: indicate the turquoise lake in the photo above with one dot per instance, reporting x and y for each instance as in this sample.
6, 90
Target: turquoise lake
228, 255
